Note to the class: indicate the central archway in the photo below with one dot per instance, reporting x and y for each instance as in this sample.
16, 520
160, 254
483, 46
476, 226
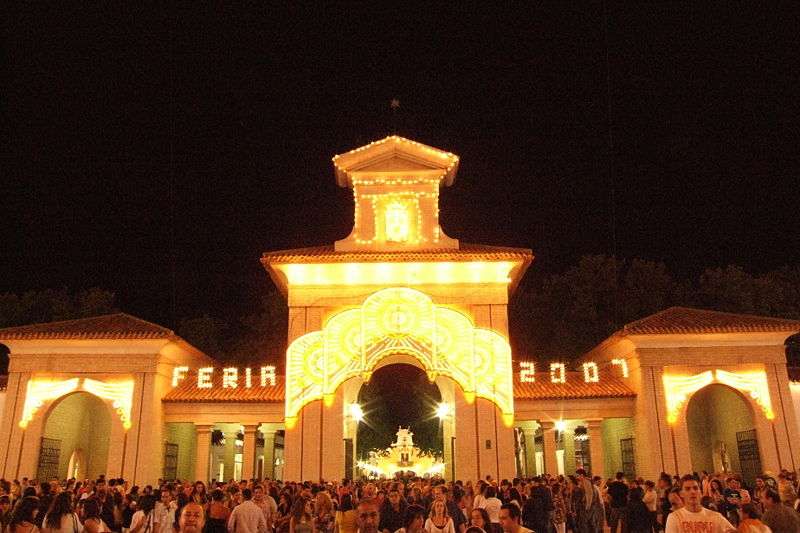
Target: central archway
399, 395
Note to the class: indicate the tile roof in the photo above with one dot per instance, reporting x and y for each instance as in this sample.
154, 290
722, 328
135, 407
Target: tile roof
689, 320
465, 252
187, 391
575, 387
116, 326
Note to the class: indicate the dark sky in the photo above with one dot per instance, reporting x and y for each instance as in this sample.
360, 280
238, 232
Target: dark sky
126, 127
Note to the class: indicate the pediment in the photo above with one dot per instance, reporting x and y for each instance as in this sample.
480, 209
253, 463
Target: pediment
395, 154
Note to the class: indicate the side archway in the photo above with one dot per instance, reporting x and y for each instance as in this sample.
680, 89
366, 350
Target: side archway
722, 432
77, 432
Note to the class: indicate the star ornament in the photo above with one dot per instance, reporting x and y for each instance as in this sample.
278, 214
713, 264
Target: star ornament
395, 103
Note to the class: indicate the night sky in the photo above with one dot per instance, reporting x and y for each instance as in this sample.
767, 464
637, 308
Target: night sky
132, 136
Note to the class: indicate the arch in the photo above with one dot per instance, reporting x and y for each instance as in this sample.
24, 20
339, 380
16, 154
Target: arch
80, 421
77, 464
390, 321
715, 415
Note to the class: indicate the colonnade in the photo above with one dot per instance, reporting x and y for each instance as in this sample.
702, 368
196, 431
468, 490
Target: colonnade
241, 442
547, 431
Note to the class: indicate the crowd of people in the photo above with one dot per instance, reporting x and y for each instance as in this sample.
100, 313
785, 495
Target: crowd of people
580, 503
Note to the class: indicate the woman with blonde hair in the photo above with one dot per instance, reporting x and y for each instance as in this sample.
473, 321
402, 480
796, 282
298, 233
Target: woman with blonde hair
323, 513
438, 520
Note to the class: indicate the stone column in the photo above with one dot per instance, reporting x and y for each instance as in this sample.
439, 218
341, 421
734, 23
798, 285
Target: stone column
230, 432
249, 451
596, 447
269, 454
549, 440
203, 452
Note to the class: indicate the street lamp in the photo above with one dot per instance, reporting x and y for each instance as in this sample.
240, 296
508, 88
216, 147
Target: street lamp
443, 411
356, 413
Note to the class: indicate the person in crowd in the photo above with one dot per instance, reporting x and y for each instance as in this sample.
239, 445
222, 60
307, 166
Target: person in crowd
266, 503
693, 517
413, 520
92, 522
715, 491
5, 512
637, 516
324, 513
618, 502
367, 516
480, 494
778, 517
453, 510
650, 500
302, 517
164, 512
247, 517
60, 518
492, 505
559, 508
346, 515
23, 517
393, 512
576, 506
191, 518
735, 497
144, 519
480, 518
750, 520
537, 512
510, 519
218, 513
758, 492
284, 514
439, 521
198, 493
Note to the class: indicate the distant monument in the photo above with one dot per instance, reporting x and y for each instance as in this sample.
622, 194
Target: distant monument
401, 459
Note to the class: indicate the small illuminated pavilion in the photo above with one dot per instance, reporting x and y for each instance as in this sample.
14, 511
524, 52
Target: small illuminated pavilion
682, 390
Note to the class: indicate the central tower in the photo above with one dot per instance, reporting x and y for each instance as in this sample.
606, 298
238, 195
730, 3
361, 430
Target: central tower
398, 290
396, 184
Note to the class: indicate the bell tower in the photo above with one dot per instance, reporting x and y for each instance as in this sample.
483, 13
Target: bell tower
395, 183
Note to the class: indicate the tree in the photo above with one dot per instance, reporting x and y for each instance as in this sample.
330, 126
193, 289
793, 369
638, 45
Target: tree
35, 307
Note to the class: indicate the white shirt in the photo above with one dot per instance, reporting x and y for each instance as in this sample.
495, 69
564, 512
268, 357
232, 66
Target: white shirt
430, 527
703, 521
247, 518
492, 506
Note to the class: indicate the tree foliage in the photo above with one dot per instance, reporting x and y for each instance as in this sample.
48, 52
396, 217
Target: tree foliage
259, 338
564, 315
35, 307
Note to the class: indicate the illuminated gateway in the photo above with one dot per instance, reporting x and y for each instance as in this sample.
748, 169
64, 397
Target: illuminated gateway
682, 390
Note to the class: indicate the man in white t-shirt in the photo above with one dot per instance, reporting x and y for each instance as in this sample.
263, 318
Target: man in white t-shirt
693, 517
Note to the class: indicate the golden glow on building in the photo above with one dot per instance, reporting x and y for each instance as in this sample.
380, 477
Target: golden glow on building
623, 365
678, 389
558, 373
527, 373
590, 373
40, 391
120, 394
399, 321
404, 273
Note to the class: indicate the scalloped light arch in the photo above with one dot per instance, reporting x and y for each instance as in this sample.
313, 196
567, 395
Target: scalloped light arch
391, 321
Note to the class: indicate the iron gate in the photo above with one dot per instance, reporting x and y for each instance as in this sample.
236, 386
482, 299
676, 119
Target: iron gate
49, 455
170, 461
628, 457
749, 458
